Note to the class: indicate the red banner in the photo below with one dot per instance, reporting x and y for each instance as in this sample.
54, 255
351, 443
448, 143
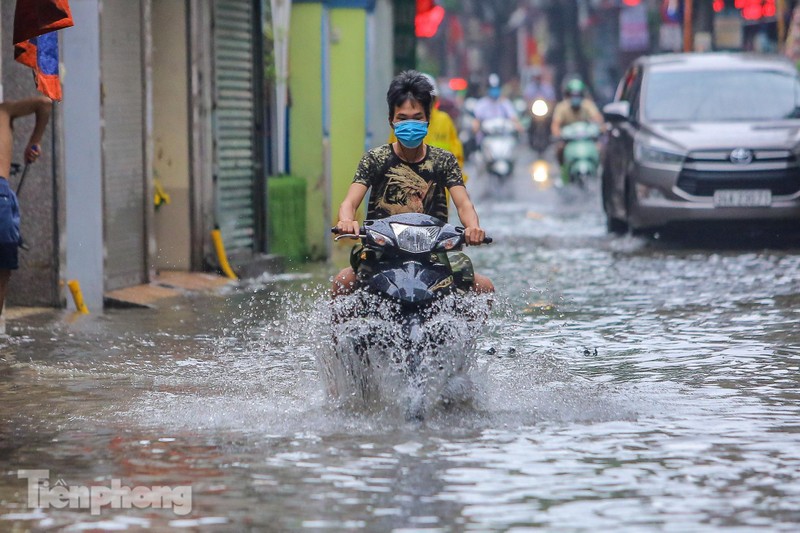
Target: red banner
36, 43
35, 17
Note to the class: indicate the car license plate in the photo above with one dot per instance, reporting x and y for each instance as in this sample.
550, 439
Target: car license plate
743, 198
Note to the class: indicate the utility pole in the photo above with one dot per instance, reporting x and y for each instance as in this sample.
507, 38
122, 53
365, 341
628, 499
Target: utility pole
688, 30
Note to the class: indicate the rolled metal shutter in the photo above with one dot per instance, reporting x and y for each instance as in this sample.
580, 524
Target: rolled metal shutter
234, 123
123, 143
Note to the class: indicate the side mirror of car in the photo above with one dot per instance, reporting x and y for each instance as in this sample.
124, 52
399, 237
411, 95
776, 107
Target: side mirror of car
617, 111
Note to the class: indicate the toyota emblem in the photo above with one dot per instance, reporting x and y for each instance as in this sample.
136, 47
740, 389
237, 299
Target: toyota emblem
741, 156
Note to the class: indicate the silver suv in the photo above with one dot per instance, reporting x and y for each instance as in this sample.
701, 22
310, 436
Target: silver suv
697, 137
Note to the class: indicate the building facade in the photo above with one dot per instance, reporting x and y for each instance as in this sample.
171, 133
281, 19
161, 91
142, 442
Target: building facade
162, 99
173, 99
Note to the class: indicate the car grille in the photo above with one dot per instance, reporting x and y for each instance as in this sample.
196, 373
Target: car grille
704, 183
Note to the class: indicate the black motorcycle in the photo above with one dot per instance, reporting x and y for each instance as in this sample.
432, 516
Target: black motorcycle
409, 305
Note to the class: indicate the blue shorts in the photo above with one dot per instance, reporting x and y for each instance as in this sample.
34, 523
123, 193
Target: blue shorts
9, 227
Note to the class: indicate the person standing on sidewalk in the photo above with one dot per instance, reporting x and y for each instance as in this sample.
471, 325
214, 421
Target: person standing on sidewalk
10, 240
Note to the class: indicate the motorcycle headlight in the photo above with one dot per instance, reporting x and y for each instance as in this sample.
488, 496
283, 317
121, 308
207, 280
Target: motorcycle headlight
501, 167
379, 238
659, 156
449, 244
415, 239
539, 108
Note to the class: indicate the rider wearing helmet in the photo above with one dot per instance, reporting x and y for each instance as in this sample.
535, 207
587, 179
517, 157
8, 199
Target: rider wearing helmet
575, 107
495, 105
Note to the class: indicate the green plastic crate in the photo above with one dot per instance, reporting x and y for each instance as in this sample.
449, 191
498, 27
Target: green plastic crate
286, 203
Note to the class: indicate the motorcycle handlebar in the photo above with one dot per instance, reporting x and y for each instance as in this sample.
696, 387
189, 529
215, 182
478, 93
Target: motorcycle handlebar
486, 240
340, 235
335, 231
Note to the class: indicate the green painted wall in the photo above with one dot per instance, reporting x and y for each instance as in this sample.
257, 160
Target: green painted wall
348, 103
305, 138
347, 100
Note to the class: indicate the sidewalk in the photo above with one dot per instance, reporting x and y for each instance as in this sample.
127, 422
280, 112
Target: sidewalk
166, 285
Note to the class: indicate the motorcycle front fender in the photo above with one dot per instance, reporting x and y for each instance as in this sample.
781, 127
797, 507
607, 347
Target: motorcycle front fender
411, 282
583, 167
581, 150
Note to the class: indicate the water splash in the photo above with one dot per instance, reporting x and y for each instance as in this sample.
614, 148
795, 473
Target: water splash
383, 359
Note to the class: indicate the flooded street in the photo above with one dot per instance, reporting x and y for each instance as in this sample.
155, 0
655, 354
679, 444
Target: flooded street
622, 384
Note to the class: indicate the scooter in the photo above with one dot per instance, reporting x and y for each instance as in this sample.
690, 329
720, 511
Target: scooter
397, 337
541, 113
497, 147
581, 155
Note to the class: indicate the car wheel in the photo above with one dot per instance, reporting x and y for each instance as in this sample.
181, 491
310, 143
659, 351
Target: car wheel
613, 224
630, 200
616, 226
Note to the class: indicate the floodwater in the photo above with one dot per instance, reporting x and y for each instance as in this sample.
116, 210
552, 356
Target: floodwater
620, 384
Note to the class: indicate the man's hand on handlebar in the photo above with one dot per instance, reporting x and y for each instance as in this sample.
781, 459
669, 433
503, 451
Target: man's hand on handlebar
474, 236
348, 227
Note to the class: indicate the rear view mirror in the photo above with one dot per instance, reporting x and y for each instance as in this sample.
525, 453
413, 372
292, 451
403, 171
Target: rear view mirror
617, 111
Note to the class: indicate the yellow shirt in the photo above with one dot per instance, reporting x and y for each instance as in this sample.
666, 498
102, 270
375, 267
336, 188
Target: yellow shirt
442, 134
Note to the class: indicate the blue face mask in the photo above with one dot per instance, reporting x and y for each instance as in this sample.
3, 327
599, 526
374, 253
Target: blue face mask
410, 132
494, 92
576, 101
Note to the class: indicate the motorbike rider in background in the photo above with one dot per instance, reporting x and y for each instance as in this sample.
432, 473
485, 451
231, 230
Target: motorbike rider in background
539, 87
409, 176
575, 107
540, 99
495, 105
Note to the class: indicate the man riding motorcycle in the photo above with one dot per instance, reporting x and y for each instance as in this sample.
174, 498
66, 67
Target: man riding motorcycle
575, 107
540, 99
408, 176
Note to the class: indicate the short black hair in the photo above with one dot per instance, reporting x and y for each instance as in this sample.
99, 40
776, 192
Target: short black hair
409, 85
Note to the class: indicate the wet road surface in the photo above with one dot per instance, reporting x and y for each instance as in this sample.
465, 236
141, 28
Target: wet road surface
621, 384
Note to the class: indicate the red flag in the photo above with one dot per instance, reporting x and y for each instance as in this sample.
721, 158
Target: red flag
36, 43
35, 17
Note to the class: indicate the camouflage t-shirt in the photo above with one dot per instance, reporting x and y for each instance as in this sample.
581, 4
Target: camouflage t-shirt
401, 187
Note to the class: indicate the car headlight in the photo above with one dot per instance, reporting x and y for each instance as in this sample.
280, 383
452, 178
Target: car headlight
415, 239
659, 156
